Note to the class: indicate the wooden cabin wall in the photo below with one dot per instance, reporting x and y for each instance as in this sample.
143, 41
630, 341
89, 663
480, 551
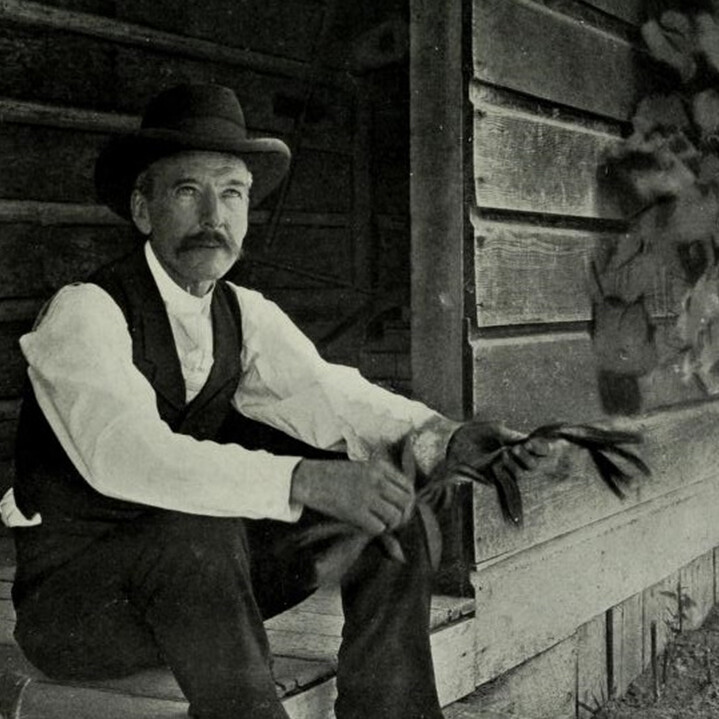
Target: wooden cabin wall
78, 71
552, 87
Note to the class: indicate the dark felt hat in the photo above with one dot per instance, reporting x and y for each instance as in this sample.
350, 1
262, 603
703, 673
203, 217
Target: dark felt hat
188, 117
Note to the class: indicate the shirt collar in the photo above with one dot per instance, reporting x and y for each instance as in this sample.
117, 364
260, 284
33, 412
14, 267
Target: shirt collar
177, 300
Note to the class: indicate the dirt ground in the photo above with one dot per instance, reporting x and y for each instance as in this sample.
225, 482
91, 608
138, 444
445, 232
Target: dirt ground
688, 681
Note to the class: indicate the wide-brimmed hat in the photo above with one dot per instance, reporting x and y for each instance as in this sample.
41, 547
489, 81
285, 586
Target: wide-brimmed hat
188, 117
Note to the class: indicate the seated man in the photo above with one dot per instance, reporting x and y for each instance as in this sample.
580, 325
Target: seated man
153, 526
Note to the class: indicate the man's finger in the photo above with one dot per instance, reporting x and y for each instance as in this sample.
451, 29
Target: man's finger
522, 457
538, 446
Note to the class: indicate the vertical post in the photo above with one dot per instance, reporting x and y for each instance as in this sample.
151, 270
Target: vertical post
438, 100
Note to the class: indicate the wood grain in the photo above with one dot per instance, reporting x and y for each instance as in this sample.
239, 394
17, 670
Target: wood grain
591, 642
565, 493
535, 379
528, 163
587, 572
627, 644
527, 274
524, 46
542, 688
697, 584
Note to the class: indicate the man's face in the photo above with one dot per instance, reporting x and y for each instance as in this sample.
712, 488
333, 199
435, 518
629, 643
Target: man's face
195, 211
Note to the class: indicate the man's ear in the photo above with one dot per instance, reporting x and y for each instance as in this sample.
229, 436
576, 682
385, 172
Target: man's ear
140, 212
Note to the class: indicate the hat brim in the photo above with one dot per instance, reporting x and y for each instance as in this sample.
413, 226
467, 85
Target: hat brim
125, 157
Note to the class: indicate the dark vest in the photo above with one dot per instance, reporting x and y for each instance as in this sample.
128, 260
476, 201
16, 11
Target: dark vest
47, 481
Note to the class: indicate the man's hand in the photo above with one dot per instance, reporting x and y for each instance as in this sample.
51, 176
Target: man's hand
374, 495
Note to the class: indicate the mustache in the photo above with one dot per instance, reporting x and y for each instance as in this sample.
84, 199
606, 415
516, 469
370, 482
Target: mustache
204, 238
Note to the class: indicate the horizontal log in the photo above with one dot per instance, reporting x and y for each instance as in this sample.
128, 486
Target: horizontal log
524, 46
277, 28
527, 163
47, 83
63, 213
41, 16
588, 571
57, 165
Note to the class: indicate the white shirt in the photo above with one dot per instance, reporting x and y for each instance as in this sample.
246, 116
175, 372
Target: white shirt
104, 411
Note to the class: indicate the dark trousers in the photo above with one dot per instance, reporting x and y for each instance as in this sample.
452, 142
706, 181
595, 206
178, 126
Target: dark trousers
191, 592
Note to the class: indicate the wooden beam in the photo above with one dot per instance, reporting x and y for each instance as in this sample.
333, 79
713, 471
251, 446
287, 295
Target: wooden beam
438, 111
42, 16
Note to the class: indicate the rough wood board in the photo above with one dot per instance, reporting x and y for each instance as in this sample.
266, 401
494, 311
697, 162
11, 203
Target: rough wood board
630, 10
541, 688
526, 47
591, 692
528, 163
627, 643
661, 609
527, 274
57, 164
586, 572
565, 493
531, 380
697, 583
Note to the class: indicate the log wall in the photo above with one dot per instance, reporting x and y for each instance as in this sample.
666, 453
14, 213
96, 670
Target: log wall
76, 72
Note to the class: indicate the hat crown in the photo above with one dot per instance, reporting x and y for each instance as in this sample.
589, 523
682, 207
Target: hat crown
186, 105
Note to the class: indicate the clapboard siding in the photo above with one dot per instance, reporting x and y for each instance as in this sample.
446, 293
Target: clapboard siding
528, 163
582, 67
535, 379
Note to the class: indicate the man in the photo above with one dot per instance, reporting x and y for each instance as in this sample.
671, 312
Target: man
152, 525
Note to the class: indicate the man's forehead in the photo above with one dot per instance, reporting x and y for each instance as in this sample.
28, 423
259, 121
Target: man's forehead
195, 163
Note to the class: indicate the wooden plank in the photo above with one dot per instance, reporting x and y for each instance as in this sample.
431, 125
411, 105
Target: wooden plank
454, 660
541, 688
37, 260
586, 572
437, 125
661, 608
525, 46
565, 494
591, 692
697, 586
314, 703
275, 27
627, 643
40, 16
526, 274
557, 371
630, 10
57, 164
558, 170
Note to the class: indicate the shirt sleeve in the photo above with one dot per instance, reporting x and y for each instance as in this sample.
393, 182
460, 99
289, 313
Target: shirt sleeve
287, 385
104, 414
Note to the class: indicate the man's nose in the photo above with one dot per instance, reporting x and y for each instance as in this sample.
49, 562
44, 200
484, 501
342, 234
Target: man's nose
209, 209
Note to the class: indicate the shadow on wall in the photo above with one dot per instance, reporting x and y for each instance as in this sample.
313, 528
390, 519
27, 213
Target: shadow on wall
656, 288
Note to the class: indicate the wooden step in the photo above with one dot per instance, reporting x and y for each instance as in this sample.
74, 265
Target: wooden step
304, 641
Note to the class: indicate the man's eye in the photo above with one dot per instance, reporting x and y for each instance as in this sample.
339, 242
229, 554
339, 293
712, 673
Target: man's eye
235, 193
186, 191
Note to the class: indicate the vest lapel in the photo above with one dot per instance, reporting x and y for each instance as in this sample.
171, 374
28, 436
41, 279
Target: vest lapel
154, 352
